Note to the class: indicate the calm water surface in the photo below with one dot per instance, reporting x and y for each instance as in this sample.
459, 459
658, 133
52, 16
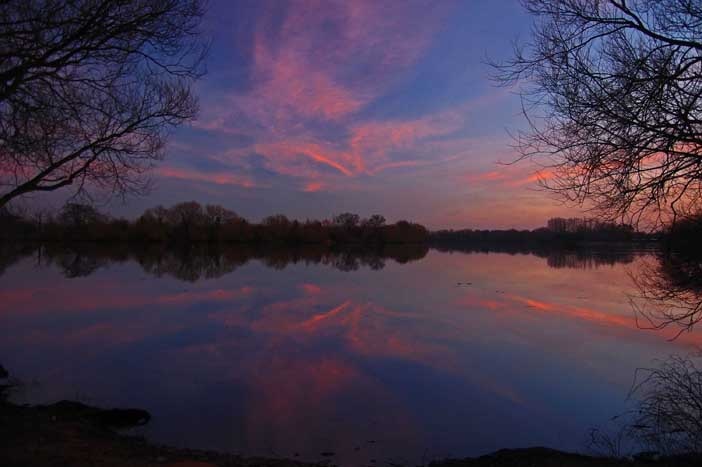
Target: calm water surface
454, 354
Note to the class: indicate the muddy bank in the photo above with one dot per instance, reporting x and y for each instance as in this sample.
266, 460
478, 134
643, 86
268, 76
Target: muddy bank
544, 457
73, 434
70, 433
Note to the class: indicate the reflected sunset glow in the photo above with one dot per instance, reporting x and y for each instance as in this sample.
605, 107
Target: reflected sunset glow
311, 357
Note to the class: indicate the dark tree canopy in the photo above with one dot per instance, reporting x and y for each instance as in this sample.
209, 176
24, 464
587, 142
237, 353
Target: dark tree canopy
89, 90
78, 215
613, 92
347, 219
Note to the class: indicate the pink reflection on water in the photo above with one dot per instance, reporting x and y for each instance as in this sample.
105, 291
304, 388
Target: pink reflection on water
316, 353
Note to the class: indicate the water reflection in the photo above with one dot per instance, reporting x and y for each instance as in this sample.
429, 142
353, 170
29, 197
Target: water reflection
669, 290
456, 354
10, 253
203, 261
587, 257
208, 261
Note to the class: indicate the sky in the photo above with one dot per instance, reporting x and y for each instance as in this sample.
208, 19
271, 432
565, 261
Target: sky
311, 108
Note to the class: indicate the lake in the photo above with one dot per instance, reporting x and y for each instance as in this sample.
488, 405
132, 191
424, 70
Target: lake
402, 356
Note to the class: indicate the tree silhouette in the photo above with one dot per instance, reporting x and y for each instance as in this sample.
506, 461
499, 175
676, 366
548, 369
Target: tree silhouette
613, 92
89, 90
374, 221
668, 418
79, 215
347, 220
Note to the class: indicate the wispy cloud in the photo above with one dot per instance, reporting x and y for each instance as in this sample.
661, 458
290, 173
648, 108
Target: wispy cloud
346, 99
222, 178
314, 72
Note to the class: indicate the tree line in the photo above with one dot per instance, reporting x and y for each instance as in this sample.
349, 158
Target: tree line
191, 222
565, 231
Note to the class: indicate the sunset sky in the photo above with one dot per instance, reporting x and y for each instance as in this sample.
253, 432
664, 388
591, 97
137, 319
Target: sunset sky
314, 108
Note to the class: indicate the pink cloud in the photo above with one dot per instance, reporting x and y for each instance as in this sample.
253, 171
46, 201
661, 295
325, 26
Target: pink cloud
308, 72
290, 87
197, 176
491, 176
284, 157
312, 187
368, 150
510, 175
311, 289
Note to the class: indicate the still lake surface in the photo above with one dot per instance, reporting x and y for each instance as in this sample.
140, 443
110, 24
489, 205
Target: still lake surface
422, 356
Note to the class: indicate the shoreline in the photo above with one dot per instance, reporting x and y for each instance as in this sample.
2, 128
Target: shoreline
71, 433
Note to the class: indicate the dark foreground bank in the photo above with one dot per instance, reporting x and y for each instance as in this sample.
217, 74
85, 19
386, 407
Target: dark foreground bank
73, 434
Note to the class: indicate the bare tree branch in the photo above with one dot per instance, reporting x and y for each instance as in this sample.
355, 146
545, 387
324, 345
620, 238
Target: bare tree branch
613, 95
89, 90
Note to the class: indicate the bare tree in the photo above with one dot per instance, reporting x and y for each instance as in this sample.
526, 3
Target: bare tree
217, 215
612, 90
665, 419
80, 215
187, 214
668, 418
89, 89
374, 222
347, 220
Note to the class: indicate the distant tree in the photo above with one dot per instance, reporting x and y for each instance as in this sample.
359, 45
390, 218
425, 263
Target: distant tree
186, 213
218, 215
80, 215
152, 225
276, 227
613, 92
685, 234
157, 214
187, 220
346, 220
275, 220
556, 224
405, 232
89, 90
314, 232
375, 221
585, 228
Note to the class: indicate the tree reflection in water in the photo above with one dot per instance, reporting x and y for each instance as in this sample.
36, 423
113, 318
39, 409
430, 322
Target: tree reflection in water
668, 418
667, 415
203, 261
669, 291
209, 261
301, 316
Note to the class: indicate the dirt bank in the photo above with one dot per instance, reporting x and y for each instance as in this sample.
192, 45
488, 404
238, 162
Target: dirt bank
72, 434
